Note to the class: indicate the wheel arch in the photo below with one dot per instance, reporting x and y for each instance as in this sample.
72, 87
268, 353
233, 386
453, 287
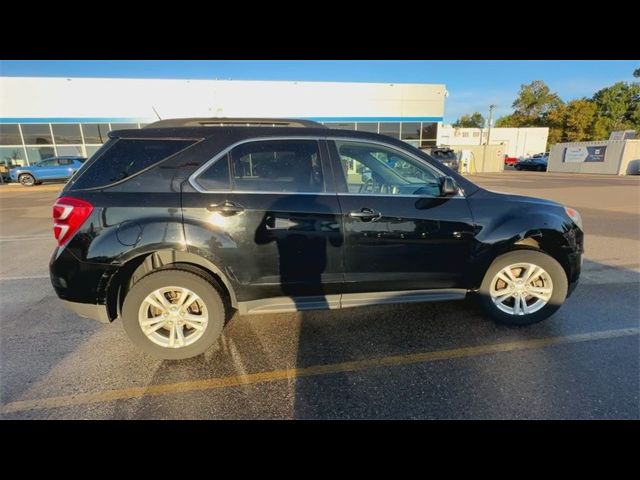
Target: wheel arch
547, 240
145, 263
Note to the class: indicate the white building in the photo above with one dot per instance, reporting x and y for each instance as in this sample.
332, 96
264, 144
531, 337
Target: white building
517, 142
41, 117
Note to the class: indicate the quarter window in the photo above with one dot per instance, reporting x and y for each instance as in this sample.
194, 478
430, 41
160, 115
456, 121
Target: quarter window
277, 166
377, 170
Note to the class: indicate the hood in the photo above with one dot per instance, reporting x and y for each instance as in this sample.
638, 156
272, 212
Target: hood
512, 197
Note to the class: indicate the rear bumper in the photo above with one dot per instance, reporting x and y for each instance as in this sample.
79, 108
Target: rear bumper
87, 310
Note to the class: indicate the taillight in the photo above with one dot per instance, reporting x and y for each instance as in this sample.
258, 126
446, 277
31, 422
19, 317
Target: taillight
68, 215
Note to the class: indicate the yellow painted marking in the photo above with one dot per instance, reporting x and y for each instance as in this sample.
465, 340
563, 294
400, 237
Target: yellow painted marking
276, 375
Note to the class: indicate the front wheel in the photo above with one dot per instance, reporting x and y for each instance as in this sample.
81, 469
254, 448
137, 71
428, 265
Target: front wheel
518, 167
173, 314
523, 287
27, 180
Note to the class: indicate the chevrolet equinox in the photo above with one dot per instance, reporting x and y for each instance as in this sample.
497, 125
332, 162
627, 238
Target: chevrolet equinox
173, 226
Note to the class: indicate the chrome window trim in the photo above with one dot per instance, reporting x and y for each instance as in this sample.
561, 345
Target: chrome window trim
193, 177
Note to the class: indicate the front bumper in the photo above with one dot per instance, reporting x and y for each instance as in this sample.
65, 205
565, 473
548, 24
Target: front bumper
87, 310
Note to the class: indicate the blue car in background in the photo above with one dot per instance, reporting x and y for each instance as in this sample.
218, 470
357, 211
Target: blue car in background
49, 169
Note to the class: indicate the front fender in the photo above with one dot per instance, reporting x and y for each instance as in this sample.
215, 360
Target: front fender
502, 228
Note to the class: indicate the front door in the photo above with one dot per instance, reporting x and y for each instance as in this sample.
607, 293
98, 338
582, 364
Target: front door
400, 234
267, 213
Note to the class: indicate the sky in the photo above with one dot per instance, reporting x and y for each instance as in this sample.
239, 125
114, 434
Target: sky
473, 85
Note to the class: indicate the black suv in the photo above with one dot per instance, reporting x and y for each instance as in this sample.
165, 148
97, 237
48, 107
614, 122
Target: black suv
172, 226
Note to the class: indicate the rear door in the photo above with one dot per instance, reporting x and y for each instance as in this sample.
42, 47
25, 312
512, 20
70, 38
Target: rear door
265, 211
400, 234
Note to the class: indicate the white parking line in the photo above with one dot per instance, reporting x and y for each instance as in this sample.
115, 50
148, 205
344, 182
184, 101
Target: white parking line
32, 277
22, 238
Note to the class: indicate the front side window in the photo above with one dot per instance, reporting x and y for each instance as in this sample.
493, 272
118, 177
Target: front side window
288, 166
373, 169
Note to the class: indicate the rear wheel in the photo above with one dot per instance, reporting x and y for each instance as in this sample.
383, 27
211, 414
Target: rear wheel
518, 167
27, 180
523, 287
173, 314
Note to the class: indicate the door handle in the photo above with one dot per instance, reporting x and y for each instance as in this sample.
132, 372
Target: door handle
366, 215
226, 207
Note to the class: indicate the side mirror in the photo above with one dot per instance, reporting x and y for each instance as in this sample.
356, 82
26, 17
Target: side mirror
448, 187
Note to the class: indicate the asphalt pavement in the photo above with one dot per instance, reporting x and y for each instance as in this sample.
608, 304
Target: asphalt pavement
429, 361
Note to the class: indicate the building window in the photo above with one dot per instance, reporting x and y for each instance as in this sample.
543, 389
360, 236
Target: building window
66, 133
343, 126
429, 134
476, 134
70, 151
37, 134
35, 154
12, 157
95, 132
9, 134
465, 134
368, 127
124, 126
391, 129
411, 131
91, 149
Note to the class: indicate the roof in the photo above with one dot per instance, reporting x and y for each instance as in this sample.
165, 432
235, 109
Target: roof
226, 122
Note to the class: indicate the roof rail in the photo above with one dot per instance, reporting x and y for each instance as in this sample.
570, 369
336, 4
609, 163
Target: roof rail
237, 122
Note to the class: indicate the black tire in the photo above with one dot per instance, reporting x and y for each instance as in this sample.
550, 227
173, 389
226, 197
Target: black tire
541, 168
27, 180
536, 257
200, 285
518, 167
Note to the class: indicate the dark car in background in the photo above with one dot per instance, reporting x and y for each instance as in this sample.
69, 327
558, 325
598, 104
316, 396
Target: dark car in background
173, 226
446, 156
48, 169
537, 163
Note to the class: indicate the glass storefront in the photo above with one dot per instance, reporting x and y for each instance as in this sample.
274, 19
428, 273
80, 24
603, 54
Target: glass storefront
418, 134
27, 143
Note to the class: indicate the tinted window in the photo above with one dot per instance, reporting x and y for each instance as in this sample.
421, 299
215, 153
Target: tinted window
66, 133
368, 127
343, 126
377, 170
35, 154
95, 132
37, 134
411, 131
52, 162
278, 166
10, 135
68, 150
65, 161
126, 157
390, 129
12, 156
216, 177
123, 126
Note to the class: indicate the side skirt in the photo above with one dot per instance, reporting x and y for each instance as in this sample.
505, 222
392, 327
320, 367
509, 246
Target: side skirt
331, 302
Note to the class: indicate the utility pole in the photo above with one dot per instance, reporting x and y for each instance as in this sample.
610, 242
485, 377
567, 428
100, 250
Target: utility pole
491, 107
484, 150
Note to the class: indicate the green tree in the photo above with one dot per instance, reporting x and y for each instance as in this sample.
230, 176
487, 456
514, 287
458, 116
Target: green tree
580, 117
533, 104
618, 108
636, 73
475, 120
506, 121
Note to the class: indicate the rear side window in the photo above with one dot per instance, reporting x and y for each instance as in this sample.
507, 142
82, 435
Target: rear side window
127, 157
277, 166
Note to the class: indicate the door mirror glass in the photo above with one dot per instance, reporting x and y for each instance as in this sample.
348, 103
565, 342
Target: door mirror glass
448, 187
